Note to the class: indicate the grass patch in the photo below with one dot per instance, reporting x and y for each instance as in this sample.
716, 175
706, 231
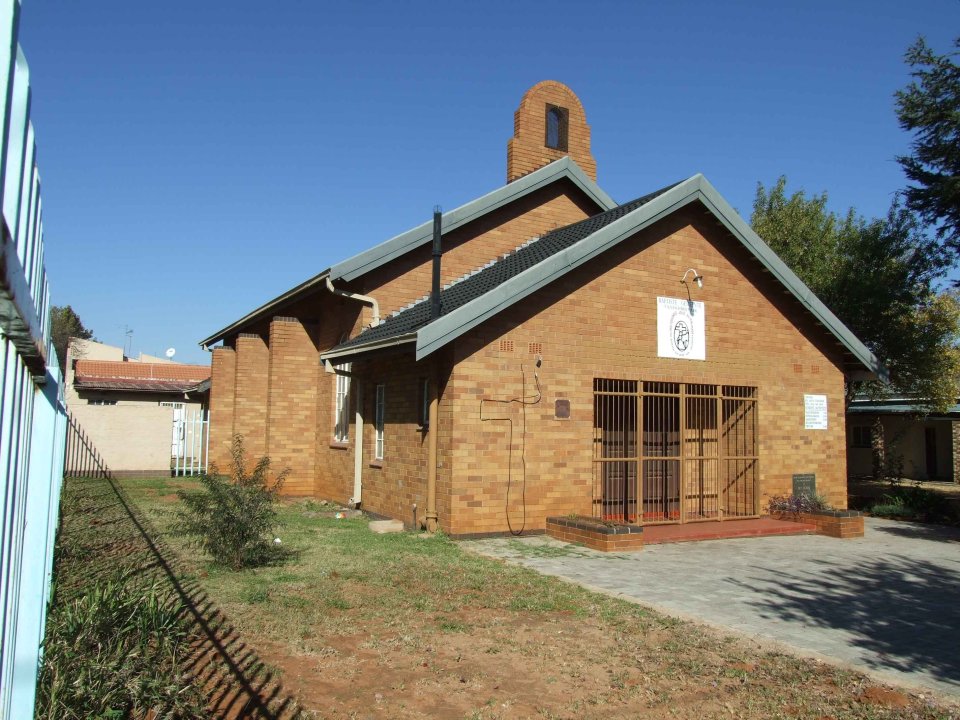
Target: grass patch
413, 626
115, 640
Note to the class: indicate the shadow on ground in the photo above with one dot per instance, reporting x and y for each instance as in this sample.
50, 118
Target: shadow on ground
903, 610
920, 531
228, 670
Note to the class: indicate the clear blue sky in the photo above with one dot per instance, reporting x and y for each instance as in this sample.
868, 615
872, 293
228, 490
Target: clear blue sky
200, 158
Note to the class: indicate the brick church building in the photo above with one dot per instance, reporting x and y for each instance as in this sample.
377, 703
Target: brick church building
649, 362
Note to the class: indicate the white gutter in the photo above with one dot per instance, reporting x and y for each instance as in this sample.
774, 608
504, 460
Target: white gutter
366, 299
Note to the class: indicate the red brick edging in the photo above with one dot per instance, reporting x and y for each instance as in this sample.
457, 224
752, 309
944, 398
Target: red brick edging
595, 535
834, 523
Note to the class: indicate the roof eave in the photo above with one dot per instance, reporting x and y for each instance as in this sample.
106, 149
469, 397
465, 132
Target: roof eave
443, 330
388, 250
334, 355
264, 310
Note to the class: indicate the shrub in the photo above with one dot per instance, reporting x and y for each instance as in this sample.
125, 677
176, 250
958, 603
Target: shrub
796, 504
232, 519
914, 502
114, 652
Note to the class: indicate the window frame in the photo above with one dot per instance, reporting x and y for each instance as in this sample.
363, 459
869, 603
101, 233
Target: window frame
562, 116
379, 414
341, 407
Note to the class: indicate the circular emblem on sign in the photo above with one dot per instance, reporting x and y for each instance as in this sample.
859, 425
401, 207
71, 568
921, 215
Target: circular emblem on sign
681, 333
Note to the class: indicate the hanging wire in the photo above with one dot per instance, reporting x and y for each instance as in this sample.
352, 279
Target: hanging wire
523, 401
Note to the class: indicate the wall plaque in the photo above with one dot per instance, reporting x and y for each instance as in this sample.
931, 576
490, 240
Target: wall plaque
805, 484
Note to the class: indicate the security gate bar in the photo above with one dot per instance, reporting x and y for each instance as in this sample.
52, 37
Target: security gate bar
667, 452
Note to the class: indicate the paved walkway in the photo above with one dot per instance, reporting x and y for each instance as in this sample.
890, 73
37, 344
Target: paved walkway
887, 603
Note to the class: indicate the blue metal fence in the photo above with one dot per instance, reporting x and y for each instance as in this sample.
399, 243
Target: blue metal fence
33, 420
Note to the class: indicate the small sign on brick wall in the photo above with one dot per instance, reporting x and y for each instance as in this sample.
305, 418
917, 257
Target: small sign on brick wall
804, 484
815, 412
561, 409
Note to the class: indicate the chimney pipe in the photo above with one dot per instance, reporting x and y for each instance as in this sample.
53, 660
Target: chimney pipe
435, 291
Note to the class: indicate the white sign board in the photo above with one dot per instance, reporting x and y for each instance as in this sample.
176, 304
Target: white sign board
681, 329
815, 412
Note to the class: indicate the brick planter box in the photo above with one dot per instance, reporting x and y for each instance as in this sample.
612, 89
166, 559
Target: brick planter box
834, 523
595, 534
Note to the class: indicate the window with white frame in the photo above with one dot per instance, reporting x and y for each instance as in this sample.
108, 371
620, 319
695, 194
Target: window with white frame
341, 430
380, 410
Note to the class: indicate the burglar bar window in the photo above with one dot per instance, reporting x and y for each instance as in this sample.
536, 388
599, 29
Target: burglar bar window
341, 431
378, 422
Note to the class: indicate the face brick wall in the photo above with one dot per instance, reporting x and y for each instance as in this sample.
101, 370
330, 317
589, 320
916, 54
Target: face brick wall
292, 416
392, 486
251, 394
333, 461
223, 380
600, 321
527, 150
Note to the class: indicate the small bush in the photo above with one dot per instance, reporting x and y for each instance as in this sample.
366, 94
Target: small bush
796, 504
114, 652
233, 518
915, 503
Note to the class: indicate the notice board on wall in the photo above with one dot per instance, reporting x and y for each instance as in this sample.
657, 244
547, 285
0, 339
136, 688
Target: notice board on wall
814, 412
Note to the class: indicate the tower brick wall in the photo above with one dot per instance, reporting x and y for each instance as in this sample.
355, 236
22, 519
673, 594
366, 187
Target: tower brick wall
527, 150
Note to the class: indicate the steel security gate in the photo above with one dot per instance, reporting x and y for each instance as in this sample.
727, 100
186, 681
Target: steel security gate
189, 441
667, 452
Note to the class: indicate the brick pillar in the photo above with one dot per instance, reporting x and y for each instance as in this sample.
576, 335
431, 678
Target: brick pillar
250, 414
223, 379
955, 433
292, 417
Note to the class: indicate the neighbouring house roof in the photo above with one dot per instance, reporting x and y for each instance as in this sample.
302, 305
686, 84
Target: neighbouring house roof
138, 377
377, 256
896, 406
500, 284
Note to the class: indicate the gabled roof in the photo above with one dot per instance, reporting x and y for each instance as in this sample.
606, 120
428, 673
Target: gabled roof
358, 265
423, 234
466, 304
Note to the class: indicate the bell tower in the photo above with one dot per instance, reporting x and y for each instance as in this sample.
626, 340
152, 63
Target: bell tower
549, 124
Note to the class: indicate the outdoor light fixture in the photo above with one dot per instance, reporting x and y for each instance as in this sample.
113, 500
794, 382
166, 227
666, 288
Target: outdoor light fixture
697, 278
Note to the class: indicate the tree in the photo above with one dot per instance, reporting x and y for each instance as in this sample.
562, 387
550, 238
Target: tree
65, 324
930, 108
878, 277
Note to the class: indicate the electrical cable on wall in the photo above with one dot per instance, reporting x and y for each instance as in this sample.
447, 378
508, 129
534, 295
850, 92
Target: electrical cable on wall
523, 401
